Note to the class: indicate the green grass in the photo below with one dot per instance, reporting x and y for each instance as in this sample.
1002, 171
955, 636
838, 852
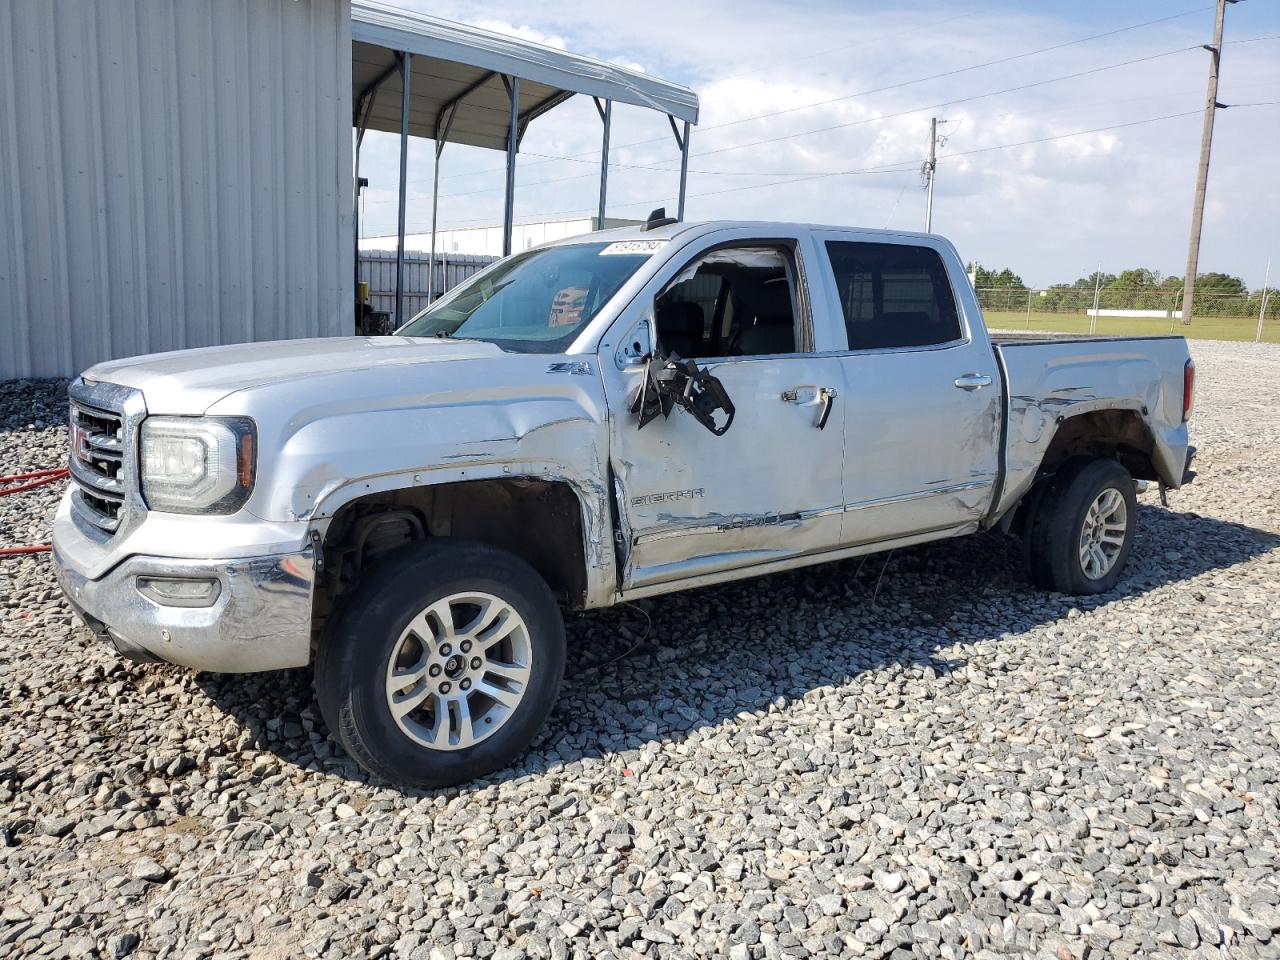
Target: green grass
1206, 328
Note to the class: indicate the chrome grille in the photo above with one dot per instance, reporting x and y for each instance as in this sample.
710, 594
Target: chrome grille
102, 433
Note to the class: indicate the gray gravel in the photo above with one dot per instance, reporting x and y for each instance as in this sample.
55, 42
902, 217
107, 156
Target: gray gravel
918, 756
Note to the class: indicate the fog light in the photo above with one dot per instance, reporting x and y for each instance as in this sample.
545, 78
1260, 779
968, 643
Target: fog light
172, 592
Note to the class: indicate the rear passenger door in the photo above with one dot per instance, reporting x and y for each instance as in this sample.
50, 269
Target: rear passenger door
922, 424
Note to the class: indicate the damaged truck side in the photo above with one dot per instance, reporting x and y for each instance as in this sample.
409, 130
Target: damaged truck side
609, 417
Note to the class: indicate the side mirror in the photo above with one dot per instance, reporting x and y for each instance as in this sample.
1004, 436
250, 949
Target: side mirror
669, 382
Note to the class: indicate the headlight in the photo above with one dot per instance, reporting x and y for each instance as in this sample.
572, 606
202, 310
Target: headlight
197, 464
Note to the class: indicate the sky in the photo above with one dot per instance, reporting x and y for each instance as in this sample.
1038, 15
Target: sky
797, 124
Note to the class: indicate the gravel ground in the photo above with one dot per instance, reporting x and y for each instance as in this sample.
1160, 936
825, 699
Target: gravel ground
913, 757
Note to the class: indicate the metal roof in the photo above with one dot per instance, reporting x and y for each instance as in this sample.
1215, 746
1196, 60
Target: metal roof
451, 60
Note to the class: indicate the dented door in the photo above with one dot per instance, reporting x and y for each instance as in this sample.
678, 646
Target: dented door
692, 503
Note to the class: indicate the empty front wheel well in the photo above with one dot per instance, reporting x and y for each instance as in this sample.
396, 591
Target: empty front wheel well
539, 521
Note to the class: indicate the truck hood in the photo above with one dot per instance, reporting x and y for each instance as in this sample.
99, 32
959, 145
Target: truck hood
191, 381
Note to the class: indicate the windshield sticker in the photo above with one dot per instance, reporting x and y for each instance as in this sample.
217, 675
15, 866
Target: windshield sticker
632, 247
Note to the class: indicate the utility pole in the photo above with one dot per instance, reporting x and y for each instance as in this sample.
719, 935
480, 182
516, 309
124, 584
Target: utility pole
1211, 108
930, 167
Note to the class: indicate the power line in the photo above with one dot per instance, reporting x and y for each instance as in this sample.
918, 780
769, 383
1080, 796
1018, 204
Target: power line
852, 123
590, 160
899, 166
952, 73
658, 167
893, 86
950, 103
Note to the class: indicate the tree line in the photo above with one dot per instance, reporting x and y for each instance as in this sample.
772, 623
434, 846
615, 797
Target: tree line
1216, 294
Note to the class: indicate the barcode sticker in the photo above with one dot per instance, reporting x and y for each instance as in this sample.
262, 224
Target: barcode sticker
633, 246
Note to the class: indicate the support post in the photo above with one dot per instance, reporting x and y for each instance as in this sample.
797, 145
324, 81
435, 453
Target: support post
1211, 106
355, 225
405, 59
682, 141
684, 171
606, 115
513, 143
435, 203
442, 136
1262, 308
1028, 309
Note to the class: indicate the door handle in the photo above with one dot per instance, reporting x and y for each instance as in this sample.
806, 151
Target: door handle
802, 396
973, 381
828, 399
810, 396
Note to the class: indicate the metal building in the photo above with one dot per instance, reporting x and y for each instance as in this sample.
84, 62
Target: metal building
179, 173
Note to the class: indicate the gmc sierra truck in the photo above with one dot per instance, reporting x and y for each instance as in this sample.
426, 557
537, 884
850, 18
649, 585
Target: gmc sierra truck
612, 416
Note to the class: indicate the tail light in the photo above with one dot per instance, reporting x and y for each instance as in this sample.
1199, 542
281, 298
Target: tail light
1188, 388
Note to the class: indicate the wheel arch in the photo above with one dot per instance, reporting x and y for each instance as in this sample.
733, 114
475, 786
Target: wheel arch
1116, 432
549, 522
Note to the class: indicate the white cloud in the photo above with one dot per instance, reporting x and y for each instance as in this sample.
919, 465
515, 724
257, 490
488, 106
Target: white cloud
522, 32
1050, 210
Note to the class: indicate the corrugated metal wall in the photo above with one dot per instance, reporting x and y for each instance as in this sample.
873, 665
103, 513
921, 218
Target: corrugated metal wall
378, 269
176, 173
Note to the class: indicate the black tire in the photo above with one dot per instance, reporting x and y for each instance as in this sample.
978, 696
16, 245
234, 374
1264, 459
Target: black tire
352, 662
1057, 520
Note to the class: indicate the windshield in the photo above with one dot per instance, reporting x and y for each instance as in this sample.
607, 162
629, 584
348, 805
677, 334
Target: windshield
534, 302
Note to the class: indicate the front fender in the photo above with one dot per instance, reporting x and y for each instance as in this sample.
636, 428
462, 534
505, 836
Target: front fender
374, 438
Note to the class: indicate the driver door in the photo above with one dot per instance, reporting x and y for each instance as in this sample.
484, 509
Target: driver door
692, 503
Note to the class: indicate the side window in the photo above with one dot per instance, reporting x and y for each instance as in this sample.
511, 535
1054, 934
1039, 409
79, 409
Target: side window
893, 295
731, 302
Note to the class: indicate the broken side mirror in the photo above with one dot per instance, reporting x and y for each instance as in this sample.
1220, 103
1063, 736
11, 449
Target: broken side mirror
672, 381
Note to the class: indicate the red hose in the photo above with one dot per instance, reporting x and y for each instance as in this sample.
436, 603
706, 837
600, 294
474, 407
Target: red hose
50, 472
44, 476
35, 478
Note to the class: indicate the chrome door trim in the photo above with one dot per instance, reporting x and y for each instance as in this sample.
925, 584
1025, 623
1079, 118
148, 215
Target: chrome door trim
699, 526
918, 495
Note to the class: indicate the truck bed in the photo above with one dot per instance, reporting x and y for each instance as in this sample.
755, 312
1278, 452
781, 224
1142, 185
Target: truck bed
1052, 378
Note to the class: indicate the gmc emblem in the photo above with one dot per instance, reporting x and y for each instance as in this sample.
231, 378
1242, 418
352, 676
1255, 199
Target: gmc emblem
80, 443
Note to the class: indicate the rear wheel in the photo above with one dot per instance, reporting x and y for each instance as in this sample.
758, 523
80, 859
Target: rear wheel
444, 666
1081, 527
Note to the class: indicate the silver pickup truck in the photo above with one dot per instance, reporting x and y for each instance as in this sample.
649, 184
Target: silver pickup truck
613, 416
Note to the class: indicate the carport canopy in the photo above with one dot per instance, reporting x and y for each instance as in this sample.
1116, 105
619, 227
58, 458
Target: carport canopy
421, 76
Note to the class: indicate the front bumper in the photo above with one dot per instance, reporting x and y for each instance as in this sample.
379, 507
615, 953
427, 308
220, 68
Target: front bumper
260, 620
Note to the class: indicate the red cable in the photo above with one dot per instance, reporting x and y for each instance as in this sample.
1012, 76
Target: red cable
51, 477
52, 471
37, 478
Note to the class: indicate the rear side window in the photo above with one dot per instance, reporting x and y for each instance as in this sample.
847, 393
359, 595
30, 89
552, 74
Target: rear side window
893, 295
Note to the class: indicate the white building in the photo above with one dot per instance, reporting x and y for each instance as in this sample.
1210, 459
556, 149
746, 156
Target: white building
487, 241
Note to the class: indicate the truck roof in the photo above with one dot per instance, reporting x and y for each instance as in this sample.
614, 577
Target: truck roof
699, 228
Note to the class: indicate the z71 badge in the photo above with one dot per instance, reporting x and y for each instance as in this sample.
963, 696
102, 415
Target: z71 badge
668, 497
